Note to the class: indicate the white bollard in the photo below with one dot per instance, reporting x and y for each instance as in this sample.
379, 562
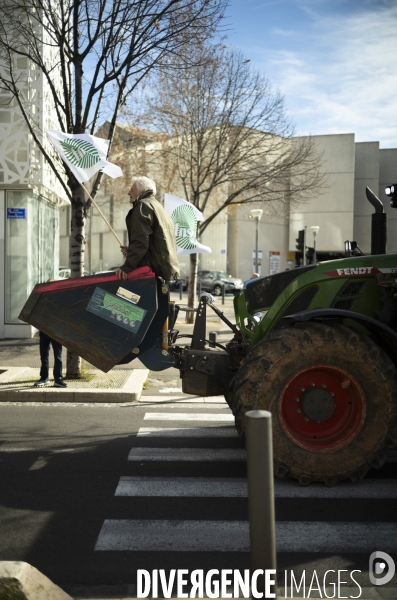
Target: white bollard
261, 496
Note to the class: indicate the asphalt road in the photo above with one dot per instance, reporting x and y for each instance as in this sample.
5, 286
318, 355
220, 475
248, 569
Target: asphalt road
75, 506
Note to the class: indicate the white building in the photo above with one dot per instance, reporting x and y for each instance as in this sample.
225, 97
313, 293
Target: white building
30, 197
342, 211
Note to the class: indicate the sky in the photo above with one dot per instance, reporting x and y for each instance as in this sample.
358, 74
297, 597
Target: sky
334, 61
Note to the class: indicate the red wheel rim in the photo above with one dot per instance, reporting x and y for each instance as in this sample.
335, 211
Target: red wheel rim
322, 408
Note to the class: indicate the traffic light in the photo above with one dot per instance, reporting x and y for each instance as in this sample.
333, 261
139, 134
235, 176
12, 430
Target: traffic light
391, 191
300, 240
309, 255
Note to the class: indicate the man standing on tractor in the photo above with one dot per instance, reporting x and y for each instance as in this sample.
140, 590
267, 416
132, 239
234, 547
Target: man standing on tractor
150, 234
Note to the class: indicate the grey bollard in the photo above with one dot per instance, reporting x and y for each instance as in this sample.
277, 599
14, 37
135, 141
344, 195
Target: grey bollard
261, 494
180, 289
223, 293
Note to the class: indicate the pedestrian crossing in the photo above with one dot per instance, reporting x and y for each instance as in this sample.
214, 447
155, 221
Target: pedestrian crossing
209, 428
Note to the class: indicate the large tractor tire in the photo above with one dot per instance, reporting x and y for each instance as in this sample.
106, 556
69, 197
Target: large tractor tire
333, 397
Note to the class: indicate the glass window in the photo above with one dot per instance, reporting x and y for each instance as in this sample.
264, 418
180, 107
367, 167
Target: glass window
31, 247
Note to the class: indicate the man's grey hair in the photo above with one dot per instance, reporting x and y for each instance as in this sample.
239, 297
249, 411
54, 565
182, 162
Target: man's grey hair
143, 184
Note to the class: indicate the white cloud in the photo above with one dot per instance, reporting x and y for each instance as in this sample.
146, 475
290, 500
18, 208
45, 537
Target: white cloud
342, 77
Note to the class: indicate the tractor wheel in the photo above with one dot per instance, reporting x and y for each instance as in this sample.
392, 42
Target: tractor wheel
333, 397
217, 290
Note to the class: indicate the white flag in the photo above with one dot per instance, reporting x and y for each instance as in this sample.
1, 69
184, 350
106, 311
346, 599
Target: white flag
84, 154
185, 216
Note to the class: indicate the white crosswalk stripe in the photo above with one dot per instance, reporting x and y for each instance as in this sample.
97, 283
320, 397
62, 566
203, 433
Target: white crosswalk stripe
183, 399
190, 432
223, 487
187, 454
228, 417
233, 536
182, 487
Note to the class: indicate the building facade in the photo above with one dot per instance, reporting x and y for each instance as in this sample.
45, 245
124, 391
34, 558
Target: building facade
341, 211
30, 199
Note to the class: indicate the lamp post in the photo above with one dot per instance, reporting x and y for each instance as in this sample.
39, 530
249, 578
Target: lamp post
256, 213
314, 229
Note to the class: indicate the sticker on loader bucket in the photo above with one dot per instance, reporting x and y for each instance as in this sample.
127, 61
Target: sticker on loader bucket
127, 295
116, 310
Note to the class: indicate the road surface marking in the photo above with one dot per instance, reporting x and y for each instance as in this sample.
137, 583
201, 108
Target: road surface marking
182, 487
184, 399
194, 432
228, 417
233, 536
235, 487
187, 454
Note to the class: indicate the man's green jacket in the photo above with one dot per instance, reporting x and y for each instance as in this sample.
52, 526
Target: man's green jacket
151, 238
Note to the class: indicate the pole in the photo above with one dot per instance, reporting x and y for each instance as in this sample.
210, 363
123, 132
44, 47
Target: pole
304, 244
101, 213
256, 244
261, 497
90, 244
314, 248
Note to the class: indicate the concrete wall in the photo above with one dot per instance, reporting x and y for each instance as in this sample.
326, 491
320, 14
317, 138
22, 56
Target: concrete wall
333, 210
272, 237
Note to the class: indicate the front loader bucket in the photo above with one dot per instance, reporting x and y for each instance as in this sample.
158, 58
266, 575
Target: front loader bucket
100, 318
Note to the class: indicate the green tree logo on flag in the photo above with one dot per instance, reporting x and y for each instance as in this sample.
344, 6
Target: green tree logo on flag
185, 226
80, 153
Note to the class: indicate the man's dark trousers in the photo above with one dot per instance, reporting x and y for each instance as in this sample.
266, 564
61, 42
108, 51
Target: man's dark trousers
45, 343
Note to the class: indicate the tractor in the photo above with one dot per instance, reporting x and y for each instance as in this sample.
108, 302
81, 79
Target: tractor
315, 345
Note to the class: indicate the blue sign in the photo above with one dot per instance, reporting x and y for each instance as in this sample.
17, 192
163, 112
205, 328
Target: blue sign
16, 213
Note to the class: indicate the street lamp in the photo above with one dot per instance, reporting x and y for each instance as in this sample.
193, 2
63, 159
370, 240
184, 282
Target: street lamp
256, 213
314, 229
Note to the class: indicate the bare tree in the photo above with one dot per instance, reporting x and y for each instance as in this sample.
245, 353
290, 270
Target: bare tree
91, 55
229, 136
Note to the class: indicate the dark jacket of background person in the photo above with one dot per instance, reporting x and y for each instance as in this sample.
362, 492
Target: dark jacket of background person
151, 238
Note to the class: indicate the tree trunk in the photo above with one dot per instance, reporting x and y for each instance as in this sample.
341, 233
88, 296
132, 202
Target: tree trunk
191, 299
77, 249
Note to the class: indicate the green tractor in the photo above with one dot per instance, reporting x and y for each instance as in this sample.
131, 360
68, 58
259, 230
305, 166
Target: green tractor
316, 346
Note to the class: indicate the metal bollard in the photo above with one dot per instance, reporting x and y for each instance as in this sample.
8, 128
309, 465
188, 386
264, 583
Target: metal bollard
180, 289
261, 495
199, 290
223, 293
212, 339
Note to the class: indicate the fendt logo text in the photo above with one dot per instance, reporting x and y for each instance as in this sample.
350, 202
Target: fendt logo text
357, 271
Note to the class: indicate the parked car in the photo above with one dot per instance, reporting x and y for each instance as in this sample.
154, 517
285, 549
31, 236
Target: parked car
64, 273
109, 270
213, 281
174, 285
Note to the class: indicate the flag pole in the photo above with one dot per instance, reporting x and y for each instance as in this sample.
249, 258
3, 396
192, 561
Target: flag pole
101, 213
